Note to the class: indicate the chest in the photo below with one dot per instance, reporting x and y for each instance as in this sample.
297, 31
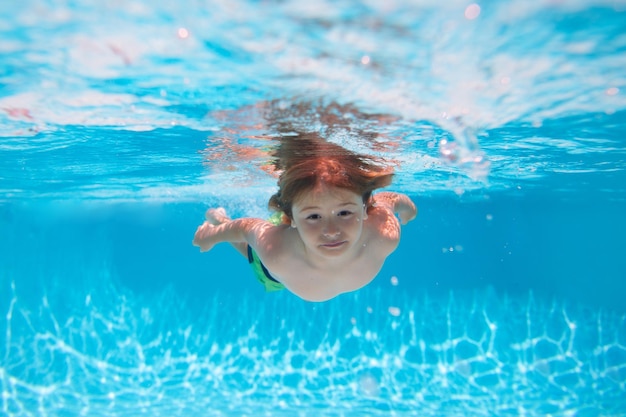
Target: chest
323, 283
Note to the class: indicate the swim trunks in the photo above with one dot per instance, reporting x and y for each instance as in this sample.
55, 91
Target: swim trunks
260, 271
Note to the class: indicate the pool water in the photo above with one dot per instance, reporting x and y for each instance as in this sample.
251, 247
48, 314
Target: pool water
122, 122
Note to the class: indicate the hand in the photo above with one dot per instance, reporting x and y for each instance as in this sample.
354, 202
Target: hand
407, 215
407, 212
216, 216
203, 237
206, 232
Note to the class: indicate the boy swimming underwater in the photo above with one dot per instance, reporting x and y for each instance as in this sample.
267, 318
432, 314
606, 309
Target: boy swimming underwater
333, 235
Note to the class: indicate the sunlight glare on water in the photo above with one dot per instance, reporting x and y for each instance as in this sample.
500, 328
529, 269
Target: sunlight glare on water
482, 357
464, 76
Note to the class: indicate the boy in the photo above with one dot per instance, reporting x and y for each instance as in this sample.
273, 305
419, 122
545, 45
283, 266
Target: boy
333, 236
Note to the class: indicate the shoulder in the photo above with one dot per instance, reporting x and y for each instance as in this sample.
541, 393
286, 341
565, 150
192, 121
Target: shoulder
272, 241
384, 225
281, 251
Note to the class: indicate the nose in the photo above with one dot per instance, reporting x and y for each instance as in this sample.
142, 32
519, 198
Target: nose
330, 230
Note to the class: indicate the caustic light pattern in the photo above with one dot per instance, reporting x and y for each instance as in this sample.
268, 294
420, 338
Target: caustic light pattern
366, 354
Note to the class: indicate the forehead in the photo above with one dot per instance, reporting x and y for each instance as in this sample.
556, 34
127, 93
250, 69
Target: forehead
326, 194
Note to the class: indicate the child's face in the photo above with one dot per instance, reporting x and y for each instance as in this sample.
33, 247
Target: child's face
329, 220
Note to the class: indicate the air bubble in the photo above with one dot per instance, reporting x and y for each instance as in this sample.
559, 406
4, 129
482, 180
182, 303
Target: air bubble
369, 385
394, 311
183, 33
472, 11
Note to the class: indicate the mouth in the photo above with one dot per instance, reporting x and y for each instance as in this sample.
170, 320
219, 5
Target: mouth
332, 245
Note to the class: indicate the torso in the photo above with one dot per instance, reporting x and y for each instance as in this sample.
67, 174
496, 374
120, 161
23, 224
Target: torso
288, 261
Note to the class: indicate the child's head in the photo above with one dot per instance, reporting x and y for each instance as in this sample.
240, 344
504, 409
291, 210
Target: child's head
308, 161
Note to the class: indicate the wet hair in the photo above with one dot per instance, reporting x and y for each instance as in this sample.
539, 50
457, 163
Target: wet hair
307, 161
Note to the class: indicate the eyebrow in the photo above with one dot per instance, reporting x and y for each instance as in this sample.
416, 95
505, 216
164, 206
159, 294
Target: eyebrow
340, 205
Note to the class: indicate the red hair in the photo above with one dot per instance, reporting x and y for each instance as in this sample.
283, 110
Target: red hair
307, 161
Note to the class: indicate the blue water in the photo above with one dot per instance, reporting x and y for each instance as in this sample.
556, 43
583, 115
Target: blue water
121, 122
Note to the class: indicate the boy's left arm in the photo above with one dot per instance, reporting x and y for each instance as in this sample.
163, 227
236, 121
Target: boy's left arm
398, 203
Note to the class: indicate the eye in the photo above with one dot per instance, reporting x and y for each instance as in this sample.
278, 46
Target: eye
313, 217
344, 213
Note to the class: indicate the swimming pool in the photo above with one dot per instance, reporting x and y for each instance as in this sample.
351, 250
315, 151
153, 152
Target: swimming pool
121, 122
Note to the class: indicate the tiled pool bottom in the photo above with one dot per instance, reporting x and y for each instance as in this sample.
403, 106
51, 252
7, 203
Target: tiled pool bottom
369, 353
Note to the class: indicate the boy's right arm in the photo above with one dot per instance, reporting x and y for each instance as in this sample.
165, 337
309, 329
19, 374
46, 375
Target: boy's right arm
239, 230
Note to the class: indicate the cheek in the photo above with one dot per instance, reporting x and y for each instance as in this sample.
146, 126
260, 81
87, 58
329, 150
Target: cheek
355, 225
307, 231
